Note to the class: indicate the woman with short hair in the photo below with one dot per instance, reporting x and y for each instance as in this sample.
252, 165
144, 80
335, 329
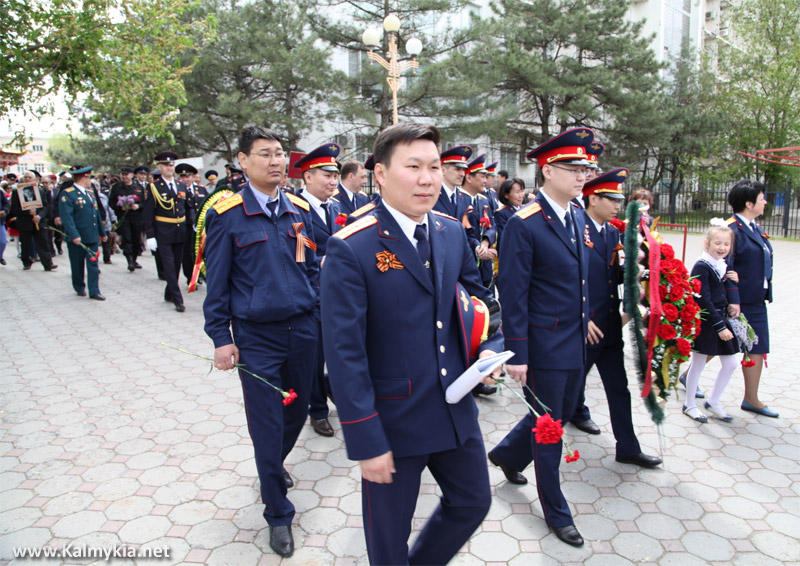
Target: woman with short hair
752, 259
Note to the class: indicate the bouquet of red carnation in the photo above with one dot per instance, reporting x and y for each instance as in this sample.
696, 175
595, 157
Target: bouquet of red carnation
660, 296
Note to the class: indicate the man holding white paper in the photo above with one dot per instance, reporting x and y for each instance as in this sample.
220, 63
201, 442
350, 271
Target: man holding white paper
393, 344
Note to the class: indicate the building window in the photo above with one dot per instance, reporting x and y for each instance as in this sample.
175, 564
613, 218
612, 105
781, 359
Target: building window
39, 167
508, 161
38, 147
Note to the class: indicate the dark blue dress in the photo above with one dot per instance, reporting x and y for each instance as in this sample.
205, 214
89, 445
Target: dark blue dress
714, 302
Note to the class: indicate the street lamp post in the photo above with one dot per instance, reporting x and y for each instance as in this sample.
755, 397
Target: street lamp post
394, 68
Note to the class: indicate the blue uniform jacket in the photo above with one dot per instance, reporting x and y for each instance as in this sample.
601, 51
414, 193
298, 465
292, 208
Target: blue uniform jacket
346, 205
391, 336
460, 212
501, 216
751, 258
543, 289
481, 206
321, 230
80, 215
605, 274
251, 269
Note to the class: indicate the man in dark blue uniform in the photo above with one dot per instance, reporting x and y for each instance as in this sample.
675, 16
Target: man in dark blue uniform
195, 195
393, 345
80, 216
262, 283
320, 173
484, 233
352, 183
544, 293
165, 216
602, 197
452, 201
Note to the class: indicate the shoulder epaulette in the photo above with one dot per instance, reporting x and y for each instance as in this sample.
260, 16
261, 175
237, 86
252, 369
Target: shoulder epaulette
356, 226
575, 204
363, 210
730, 220
69, 190
501, 207
529, 210
228, 203
334, 199
443, 215
297, 201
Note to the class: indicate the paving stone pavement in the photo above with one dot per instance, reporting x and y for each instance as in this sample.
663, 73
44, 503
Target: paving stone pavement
108, 438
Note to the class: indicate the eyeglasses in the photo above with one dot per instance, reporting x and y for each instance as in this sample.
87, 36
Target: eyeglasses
584, 171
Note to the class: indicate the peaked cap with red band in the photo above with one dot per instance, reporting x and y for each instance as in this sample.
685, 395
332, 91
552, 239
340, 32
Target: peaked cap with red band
477, 165
595, 151
492, 169
457, 156
324, 157
571, 146
608, 184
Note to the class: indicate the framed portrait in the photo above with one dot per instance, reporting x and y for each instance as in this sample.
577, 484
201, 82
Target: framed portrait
28, 195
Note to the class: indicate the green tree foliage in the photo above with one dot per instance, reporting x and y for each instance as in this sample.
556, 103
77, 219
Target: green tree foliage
433, 92
122, 56
554, 64
759, 91
685, 145
264, 68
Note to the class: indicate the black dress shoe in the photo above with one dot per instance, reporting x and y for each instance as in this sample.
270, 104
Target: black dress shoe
51, 268
2, 261
588, 426
97, 297
81, 293
136, 265
569, 535
281, 541
513, 476
131, 267
483, 389
26, 268
179, 307
287, 479
322, 427
640, 459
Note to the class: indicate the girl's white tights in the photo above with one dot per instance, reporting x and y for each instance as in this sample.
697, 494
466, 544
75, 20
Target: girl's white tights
696, 365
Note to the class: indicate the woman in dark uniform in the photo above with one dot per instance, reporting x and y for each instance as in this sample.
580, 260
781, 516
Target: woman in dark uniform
752, 260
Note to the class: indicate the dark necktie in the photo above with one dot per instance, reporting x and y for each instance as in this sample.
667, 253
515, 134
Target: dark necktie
767, 257
324, 206
453, 199
423, 247
571, 231
271, 206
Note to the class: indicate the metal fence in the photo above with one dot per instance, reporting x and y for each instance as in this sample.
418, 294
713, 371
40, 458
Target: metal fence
695, 207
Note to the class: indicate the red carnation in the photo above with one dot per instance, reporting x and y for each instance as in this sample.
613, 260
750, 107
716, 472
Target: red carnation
684, 347
666, 332
667, 251
485, 222
662, 291
697, 326
95, 256
288, 398
696, 285
572, 456
674, 278
341, 219
688, 312
618, 224
547, 430
687, 328
676, 293
670, 312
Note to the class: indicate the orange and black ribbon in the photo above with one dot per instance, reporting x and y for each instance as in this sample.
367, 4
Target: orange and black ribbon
303, 242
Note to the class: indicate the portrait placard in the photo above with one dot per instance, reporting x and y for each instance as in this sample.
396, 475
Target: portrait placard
29, 197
